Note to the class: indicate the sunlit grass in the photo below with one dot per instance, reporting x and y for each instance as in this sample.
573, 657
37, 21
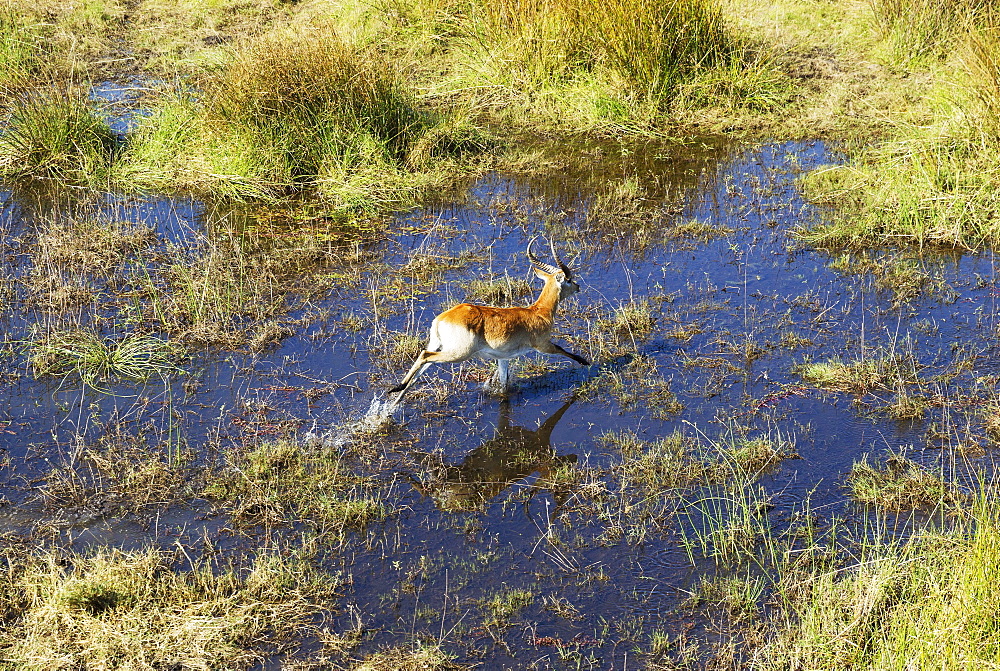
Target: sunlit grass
54, 132
98, 360
926, 602
116, 609
293, 109
900, 484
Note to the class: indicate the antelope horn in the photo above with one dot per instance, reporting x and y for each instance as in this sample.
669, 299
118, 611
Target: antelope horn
555, 255
533, 260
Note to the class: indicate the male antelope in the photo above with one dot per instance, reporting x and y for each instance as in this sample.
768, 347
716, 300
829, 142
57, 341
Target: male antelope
468, 330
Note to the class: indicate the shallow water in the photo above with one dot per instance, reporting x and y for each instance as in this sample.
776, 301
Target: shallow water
753, 302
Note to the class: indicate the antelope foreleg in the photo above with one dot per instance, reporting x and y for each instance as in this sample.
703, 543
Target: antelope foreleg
552, 348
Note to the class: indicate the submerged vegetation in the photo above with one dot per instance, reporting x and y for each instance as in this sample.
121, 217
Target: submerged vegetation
206, 286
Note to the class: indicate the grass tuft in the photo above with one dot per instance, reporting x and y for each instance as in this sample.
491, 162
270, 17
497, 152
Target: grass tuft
299, 108
54, 132
902, 484
97, 360
115, 609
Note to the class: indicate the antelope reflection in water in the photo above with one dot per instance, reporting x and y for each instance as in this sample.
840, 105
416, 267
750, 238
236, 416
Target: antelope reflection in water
513, 454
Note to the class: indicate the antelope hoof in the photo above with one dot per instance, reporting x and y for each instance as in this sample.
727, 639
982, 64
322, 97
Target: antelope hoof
494, 388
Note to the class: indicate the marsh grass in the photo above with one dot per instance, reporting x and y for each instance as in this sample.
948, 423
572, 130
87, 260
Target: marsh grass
655, 46
904, 278
650, 47
630, 321
501, 292
879, 370
18, 51
298, 108
728, 521
980, 57
93, 245
927, 27
637, 382
936, 192
138, 610
900, 484
54, 132
284, 483
931, 182
706, 485
672, 462
923, 602
220, 292
98, 360
119, 471
192, 35
424, 657
990, 414
614, 67
739, 596
504, 605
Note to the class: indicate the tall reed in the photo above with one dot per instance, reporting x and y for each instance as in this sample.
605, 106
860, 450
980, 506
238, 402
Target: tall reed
650, 47
917, 28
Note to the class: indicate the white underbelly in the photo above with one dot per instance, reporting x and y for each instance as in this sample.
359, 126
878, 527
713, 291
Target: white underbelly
504, 354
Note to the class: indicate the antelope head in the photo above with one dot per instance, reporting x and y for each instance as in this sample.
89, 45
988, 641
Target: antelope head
559, 273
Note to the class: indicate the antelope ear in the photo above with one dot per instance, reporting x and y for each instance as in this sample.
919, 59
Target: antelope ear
541, 274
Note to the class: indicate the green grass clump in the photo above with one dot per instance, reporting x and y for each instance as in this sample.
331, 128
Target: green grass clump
649, 47
504, 605
934, 180
655, 46
638, 383
135, 610
298, 108
913, 29
55, 133
927, 603
901, 484
18, 51
879, 371
929, 192
97, 360
282, 482
673, 462
619, 66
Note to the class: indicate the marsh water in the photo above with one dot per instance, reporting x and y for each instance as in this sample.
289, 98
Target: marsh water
699, 236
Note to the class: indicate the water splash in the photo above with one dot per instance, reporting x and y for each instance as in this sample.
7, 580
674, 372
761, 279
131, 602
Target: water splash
379, 413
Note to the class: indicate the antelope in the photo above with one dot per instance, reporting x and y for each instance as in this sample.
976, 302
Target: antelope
467, 330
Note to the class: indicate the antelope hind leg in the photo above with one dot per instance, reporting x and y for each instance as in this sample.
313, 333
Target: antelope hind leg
418, 367
499, 383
